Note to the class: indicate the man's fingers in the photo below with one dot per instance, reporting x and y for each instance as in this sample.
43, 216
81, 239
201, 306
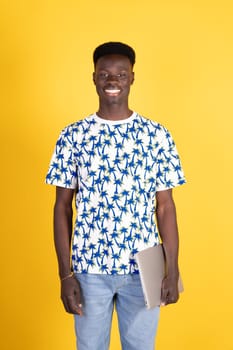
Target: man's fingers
167, 297
71, 296
169, 292
164, 296
65, 304
173, 298
74, 306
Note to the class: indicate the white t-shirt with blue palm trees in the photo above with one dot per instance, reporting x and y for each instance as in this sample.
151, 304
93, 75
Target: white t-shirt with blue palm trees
116, 168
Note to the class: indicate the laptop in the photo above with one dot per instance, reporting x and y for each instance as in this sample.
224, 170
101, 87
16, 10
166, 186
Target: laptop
151, 265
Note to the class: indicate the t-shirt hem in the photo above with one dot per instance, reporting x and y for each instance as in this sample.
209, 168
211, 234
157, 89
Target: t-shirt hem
164, 188
58, 184
136, 272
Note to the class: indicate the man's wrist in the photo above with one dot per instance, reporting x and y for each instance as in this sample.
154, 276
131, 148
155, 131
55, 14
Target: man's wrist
172, 275
172, 271
66, 276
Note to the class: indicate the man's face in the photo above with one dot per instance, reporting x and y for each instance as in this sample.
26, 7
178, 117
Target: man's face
113, 77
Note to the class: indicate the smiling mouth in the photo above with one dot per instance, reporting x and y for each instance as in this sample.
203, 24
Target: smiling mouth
112, 92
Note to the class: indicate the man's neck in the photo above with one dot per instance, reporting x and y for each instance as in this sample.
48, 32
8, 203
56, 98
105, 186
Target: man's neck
114, 112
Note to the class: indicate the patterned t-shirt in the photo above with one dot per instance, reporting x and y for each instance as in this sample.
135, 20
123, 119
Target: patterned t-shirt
115, 167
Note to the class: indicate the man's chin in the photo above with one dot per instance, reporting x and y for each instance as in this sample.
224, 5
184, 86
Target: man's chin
111, 100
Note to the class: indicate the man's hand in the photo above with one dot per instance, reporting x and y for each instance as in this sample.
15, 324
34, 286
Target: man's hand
169, 292
71, 296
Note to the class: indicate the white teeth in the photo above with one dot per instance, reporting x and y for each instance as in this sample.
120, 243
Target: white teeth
112, 91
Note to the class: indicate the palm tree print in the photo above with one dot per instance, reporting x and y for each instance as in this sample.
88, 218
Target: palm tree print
116, 169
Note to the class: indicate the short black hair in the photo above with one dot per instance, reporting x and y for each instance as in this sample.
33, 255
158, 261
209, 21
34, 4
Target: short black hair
114, 48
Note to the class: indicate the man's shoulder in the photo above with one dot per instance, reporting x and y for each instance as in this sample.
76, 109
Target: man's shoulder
79, 125
151, 124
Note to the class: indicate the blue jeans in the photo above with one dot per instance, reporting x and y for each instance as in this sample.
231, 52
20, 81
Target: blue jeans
137, 325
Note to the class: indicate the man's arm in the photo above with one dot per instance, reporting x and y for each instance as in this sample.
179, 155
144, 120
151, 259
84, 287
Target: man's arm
63, 213
167, 225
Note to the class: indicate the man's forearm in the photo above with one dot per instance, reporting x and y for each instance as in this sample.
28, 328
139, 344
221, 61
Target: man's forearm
62, 236
167, 224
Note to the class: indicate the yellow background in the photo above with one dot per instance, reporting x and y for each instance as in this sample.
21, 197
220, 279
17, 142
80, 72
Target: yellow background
183, 80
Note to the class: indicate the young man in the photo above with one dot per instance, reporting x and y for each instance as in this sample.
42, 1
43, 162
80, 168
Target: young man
121, 168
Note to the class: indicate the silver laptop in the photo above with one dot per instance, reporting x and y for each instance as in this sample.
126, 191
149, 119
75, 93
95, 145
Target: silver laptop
151, 265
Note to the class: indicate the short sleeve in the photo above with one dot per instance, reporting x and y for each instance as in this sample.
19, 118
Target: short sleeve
169, 170
63, 168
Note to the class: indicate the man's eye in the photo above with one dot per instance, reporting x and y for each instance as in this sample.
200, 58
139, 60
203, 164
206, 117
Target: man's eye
122, 75
103, 75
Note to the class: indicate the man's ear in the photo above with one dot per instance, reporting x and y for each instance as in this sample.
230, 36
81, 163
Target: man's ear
93, 77
132, 79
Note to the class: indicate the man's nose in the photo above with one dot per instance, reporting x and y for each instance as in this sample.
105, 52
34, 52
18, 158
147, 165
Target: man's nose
112, 77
